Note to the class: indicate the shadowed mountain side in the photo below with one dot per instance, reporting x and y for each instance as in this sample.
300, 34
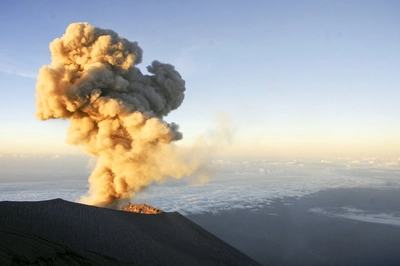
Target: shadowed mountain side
58, 231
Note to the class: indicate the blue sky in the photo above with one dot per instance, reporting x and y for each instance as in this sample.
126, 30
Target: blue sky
297, 78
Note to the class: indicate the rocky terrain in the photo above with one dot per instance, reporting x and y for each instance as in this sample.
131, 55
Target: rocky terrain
141, 208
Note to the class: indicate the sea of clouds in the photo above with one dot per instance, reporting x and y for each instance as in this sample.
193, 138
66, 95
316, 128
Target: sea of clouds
359, 215
235, 183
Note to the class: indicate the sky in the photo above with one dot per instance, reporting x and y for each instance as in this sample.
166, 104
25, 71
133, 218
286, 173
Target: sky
293, 78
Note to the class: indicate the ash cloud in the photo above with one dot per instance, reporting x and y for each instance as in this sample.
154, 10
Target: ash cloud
115, 112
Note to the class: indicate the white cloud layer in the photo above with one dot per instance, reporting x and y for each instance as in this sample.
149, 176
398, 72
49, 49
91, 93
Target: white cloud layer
359, 215
237, 184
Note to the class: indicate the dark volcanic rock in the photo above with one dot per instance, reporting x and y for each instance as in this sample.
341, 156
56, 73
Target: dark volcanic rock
57, 232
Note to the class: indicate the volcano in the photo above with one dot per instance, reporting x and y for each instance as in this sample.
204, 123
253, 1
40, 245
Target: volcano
58, 232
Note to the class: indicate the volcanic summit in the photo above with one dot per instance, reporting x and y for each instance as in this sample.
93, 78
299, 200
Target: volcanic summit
141, 208
58, 232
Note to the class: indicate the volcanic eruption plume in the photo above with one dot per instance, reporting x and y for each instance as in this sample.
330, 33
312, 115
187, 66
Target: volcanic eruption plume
116, 113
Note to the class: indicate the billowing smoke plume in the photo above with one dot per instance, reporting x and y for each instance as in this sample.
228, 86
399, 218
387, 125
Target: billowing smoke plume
115, 111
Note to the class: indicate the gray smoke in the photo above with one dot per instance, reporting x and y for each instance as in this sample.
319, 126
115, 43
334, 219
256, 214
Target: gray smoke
116, 113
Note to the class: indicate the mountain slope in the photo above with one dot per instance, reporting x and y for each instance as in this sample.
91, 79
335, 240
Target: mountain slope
58, 231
